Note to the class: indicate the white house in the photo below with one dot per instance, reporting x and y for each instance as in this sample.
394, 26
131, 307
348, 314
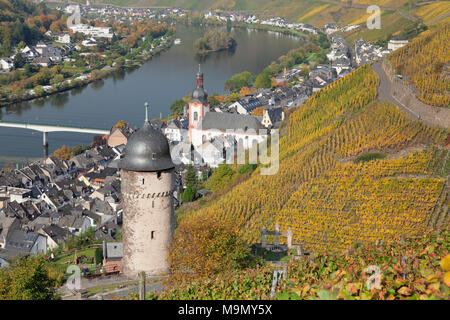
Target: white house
397, 43
6, 64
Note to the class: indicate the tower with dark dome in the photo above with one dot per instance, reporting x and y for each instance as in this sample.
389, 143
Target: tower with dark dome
199, 104
147, 187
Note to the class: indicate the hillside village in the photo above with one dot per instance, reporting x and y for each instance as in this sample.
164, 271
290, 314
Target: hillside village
44, 203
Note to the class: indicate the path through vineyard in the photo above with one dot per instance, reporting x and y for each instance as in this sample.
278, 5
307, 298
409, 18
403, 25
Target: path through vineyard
427, 113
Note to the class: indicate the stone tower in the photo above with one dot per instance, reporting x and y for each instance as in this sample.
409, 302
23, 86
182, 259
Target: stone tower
147, 187
199, 104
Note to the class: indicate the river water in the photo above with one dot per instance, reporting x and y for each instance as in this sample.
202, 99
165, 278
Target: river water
160, 81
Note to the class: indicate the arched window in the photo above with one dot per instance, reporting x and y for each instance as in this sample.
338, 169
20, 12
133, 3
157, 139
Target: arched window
195, 116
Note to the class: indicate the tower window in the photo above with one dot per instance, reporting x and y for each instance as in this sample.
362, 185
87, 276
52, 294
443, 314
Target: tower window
152, 235
153, 204
143, 181
158, 175
153, 156
195, 115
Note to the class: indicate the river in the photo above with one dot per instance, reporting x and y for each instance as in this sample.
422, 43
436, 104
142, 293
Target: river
160, 81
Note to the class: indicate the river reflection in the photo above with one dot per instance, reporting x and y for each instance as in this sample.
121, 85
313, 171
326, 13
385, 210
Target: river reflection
163, 79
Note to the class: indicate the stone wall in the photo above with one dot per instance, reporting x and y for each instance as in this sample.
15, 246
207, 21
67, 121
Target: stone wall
404, 95
148, 221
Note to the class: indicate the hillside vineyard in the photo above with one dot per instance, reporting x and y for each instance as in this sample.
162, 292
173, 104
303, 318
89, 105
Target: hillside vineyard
422, 62
329, 200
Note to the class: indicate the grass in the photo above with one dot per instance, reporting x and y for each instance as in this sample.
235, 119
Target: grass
61, 262
366, 157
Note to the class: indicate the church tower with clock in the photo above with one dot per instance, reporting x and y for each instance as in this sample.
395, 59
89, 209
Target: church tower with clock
147, 188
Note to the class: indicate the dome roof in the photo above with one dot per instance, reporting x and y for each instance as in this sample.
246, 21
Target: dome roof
200, 94
146, 150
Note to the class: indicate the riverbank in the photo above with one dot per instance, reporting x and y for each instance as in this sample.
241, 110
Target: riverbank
91, 75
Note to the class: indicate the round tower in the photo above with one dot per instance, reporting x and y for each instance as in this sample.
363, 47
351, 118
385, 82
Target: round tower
147, 187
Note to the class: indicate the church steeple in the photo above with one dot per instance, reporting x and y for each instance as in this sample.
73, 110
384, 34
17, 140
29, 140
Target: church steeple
146, 112
199, 79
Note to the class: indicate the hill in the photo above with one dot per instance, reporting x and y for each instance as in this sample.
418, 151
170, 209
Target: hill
416, 270
352, 169
425, 63
21, 20
396, 16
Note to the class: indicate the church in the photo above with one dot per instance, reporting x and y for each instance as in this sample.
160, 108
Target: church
206, 126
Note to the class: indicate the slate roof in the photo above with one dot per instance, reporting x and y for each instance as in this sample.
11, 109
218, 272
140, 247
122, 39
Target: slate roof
57, 233
224, 121
112, 250
21, 240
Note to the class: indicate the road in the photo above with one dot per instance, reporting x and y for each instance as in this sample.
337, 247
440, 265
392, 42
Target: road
433, 116
125, 286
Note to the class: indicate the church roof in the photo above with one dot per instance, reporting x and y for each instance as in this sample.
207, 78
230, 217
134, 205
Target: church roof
223, 121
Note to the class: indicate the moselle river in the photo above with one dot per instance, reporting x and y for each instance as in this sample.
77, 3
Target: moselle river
168, 76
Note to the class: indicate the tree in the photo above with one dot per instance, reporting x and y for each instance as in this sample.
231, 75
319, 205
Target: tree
121, 124
64, 153
190, 176
188, 194
236, 82
19, 61
263, 80
177, 106
29, 278
204, 246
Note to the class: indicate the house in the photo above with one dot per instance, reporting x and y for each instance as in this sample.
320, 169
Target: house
25, 241
63, 38
397, 42
246, 105
119, 136
7, 224
212, 153
331, 28
112, 256
272, 117
6, 64
175, 131
89, 42
42, 61
55, 235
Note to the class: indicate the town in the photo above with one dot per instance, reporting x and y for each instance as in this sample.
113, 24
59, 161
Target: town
44, 203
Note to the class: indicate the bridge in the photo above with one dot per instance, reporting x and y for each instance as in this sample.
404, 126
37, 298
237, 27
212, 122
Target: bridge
46, 128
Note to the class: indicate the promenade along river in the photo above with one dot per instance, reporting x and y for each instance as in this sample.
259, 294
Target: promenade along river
160, 81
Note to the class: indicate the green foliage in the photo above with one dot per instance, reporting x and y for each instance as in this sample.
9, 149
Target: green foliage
188, 194
177, 106
222, 176
98, 255
236, 82
214, 40
28, 278
365, 157
264, 79
247, 168
19, 61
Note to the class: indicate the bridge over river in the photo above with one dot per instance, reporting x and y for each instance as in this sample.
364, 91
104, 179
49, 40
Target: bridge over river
46, 128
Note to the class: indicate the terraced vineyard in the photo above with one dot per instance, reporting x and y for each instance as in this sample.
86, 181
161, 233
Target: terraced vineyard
422, 62
331, 200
